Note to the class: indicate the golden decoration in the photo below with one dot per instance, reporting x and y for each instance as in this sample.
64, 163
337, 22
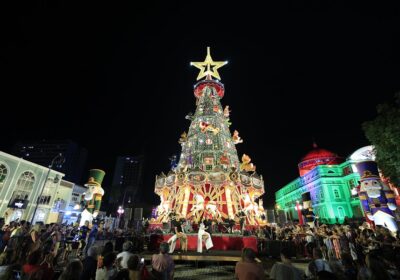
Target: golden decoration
211, 65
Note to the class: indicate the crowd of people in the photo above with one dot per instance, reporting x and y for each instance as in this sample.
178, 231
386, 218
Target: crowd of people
56, 251
336, 251
69, 252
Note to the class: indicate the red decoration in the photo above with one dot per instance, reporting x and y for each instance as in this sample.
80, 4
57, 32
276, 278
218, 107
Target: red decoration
223, 242
316, 157
198, 89
224, 159
299, 213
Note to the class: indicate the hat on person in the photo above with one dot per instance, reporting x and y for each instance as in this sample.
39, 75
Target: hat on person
96, 177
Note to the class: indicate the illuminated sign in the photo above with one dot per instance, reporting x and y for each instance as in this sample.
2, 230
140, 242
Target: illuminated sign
18, 203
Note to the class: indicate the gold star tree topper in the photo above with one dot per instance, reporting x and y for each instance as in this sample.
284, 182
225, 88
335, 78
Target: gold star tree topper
208, 68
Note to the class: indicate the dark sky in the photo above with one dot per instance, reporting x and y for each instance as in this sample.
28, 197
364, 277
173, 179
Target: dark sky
118, 81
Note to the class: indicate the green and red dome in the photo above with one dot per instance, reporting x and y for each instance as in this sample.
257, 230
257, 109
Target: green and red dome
317, 156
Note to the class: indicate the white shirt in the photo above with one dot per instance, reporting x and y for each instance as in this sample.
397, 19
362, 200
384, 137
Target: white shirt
125, 257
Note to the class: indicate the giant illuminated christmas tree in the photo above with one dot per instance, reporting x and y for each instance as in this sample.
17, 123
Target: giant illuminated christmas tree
209, 181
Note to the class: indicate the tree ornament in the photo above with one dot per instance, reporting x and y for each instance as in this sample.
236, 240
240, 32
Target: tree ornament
204, 127
189, 116
226, 111
236, 138
246, 165
183, 138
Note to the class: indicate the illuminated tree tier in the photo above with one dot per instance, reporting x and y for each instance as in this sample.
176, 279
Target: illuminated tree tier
209, 181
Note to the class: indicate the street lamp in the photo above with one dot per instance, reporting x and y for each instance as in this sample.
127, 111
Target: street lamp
58, 160
120, 211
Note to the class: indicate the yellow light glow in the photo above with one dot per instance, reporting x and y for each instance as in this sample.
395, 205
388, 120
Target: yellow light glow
211, 66
229, 202
185, 201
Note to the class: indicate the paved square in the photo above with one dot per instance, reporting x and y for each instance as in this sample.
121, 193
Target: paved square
209, 272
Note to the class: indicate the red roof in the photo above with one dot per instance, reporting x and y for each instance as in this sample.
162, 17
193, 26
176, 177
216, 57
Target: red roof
316, 157
318, 153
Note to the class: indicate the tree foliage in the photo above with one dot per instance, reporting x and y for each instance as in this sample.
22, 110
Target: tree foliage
384, 133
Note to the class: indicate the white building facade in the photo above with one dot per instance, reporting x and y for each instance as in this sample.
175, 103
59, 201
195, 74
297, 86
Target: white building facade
21, 185
71, 213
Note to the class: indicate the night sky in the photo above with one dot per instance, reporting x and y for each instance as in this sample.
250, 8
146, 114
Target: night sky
119, 82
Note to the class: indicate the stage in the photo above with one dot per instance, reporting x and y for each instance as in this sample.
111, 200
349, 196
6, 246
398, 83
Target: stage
222, 242
211, 256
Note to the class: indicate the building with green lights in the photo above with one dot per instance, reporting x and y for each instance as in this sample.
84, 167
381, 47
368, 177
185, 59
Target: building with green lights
332, 184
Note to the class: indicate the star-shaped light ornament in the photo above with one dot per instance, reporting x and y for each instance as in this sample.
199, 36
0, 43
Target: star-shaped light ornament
208, 68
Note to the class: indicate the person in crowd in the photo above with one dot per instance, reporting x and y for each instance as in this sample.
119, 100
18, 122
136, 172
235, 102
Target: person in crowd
46, 271
375, 268
317, 264
108, 269
285, 270
108, 248
35, 238
90, 264
73, 271
248, 268
136, 270
56, 237
205, 237
162, 264
125, 254
33, 263
310, 241
82, 236
179, 234
92, 236
2, 235
10, 272
335, 265
208, 223
349, 267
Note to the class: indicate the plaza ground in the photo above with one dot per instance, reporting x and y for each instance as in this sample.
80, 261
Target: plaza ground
220, 271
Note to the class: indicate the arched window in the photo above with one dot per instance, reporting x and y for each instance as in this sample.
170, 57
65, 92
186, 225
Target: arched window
26, 181
336, 193
24, 186
3, 174
340, 212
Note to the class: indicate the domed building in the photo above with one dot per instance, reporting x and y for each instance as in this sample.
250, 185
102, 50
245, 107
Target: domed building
329, 181
315, 157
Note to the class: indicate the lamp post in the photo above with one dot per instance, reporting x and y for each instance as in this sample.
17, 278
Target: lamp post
59, 160
120, 211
